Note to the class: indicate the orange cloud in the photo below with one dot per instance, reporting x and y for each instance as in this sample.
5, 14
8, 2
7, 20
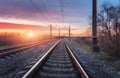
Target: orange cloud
19, 26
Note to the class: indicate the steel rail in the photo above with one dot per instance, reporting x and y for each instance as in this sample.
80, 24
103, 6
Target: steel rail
36, 67
18, 49
17, 46
80, 68
30, 73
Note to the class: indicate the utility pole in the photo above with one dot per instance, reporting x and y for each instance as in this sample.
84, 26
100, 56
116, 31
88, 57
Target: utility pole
59, 32
69, 32
50, 30
94, 26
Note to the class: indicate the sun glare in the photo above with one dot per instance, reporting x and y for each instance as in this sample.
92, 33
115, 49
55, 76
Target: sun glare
30, 34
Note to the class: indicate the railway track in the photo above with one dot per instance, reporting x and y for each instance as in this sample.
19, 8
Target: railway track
58, 62
14, 49
11, 47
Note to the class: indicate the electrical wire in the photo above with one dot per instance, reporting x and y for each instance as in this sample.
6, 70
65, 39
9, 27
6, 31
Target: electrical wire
44, 1
62, 11
36, 7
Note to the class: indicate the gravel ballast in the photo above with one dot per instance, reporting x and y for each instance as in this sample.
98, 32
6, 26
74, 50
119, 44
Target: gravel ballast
12, 64
97, 65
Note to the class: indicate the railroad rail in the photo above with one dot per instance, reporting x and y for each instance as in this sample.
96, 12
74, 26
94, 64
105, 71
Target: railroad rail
15, 49
58, 62
9, 47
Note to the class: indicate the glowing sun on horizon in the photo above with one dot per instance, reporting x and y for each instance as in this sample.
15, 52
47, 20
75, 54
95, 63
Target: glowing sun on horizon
30, 34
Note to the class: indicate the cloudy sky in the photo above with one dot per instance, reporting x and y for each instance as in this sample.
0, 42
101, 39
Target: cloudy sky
44, 12
40, 11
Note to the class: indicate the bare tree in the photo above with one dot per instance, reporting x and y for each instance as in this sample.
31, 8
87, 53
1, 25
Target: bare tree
108, 20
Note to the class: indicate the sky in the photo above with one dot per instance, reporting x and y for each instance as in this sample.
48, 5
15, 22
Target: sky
45, 12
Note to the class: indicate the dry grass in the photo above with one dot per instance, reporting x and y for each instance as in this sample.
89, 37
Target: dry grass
86, 47
83, 46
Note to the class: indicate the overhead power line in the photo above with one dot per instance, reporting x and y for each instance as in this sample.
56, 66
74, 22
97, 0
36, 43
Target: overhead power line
62, 11
36, 7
